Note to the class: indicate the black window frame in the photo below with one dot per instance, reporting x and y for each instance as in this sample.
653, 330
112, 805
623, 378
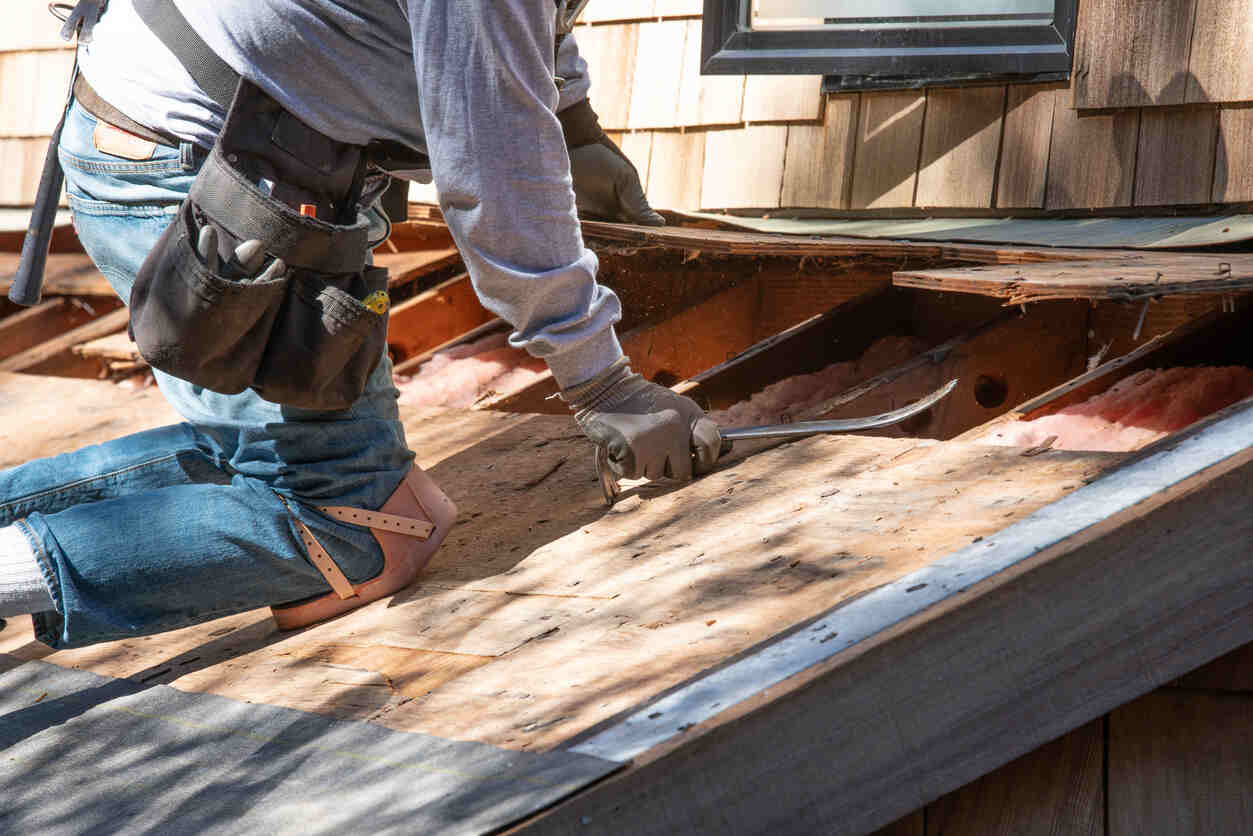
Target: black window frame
876, 59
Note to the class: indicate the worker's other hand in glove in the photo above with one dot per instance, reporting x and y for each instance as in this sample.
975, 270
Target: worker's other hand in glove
606, 183
648, 430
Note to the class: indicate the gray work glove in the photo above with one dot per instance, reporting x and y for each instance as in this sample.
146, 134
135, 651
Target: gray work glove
648, 430
606, 184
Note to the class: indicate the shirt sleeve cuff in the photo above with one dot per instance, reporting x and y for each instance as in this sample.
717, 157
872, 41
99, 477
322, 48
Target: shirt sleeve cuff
585, 361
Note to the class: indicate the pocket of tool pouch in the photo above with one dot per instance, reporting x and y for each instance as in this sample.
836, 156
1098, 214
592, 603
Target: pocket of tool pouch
197, 325
324, 343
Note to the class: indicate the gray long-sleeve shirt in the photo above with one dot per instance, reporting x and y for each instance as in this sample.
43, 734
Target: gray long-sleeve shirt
470, 82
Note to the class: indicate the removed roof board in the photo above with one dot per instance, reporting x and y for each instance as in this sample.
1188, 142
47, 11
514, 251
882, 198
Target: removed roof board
1137, 233
86, 754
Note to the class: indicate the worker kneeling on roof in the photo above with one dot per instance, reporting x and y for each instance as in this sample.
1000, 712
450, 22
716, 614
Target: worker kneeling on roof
224, 163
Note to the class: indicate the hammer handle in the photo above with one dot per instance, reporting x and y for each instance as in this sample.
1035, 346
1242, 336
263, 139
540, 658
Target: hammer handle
28, 282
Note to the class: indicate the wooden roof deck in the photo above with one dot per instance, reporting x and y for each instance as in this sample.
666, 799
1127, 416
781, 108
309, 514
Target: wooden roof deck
900, 583
546, 613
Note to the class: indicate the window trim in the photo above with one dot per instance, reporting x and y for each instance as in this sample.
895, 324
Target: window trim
729, 46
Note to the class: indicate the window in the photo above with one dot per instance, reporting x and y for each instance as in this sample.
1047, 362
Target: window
871, 44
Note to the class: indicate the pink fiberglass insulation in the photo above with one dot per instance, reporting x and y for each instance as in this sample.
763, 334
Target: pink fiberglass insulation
791, 396
1135, 411
465, 374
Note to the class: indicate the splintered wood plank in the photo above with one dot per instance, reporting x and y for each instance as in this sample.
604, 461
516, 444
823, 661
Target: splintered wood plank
610, 55
68, 274
1164, 175
1131, 53
1056, 789
1025, 148
780, 98
520, 630
743, 167
818, 167
658, 73
1181, 763
638, 147
404, 267
1123, 279
46, 353
433, 317
605, 11
1092, 159
1219, 67
706, 99
960, 141
675, 168
32, 91
43, 416
1233, 168
889, 135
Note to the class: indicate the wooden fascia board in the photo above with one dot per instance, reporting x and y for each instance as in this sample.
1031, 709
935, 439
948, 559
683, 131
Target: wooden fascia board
882, 705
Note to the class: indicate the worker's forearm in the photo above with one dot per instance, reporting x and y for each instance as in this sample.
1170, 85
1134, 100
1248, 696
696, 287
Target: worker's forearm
485, 78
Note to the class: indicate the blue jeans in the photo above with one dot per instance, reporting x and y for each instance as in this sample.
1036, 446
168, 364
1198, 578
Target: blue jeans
181, 524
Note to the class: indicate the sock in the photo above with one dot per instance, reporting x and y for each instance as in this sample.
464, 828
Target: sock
22, 586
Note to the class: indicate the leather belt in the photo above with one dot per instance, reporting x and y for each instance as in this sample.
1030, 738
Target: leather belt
105, 112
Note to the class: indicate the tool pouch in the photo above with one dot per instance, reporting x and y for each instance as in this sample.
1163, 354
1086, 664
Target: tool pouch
303, 338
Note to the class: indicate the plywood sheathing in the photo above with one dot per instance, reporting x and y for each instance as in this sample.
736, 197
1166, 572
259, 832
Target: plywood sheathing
546, 613
43, 416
